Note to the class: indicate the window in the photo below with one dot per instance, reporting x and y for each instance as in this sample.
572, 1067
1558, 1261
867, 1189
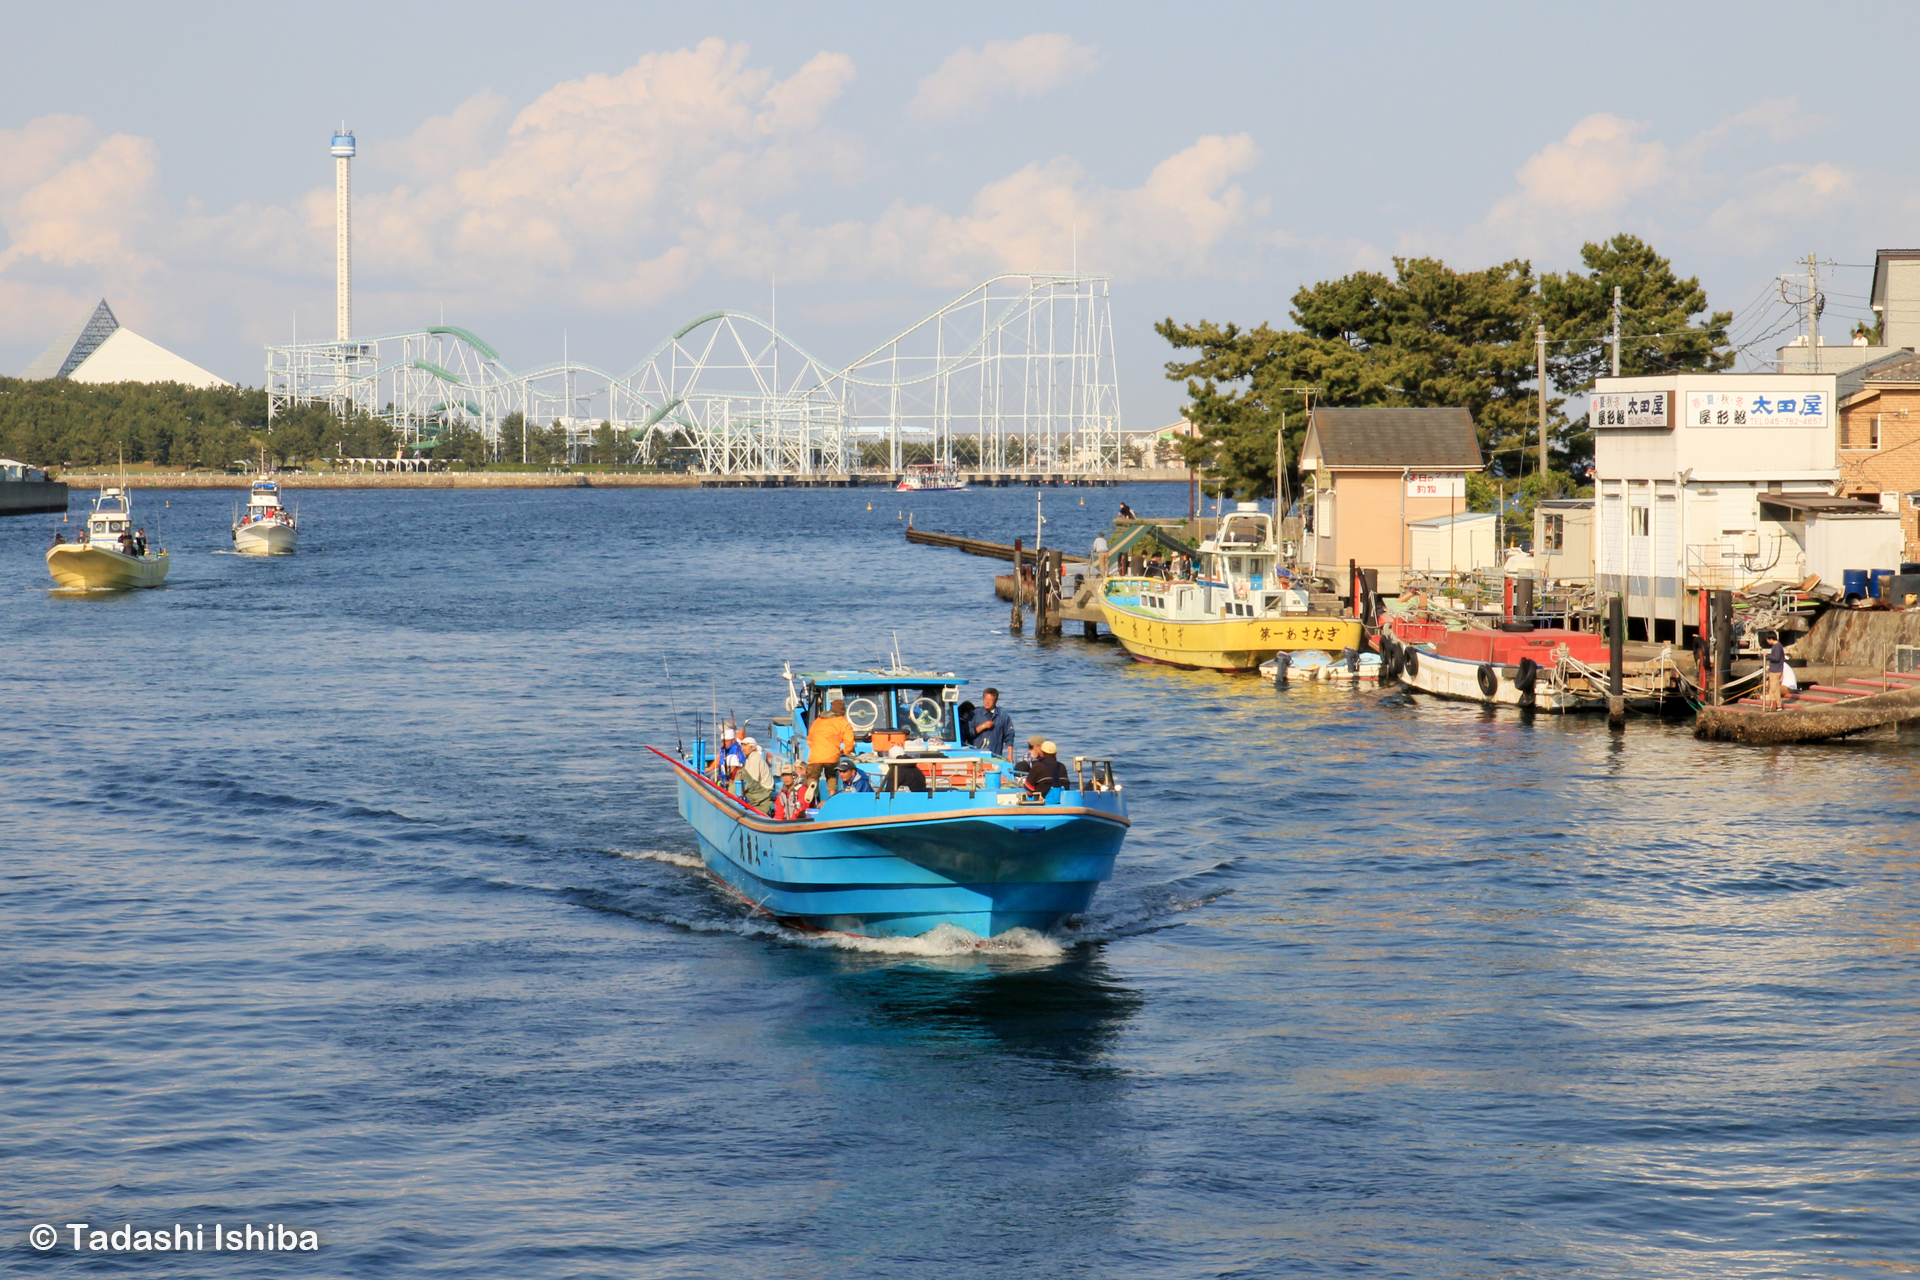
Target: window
1639, 522
1873, 438
1555, 532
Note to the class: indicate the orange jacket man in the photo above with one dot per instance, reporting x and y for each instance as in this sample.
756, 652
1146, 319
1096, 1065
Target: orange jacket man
828, 738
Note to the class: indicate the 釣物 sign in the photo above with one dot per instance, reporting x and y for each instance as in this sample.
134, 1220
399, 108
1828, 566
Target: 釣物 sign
1436, 484
1757, 408
1628, 409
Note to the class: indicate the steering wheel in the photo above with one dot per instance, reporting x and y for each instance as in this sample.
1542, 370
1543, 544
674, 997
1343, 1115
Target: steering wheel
925, 714
863, 714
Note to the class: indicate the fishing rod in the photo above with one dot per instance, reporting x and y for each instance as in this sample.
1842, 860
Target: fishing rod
679, 744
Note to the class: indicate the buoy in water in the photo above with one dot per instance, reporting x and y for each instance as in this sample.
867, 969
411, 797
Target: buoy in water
869, 506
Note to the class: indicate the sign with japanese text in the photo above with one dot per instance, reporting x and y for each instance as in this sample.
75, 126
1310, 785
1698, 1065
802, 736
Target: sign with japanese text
1629, 409
1757, 408
1436, 484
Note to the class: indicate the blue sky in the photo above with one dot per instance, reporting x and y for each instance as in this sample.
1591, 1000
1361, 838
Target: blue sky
611, 170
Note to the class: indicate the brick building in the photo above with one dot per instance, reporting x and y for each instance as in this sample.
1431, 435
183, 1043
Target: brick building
1879, 444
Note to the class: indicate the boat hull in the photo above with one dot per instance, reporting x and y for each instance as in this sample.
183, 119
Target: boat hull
1459, 679
77, 567
909, 863
265, 538
1224, 644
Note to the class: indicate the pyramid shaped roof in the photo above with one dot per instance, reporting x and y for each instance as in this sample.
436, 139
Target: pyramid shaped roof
127, 357
75, 345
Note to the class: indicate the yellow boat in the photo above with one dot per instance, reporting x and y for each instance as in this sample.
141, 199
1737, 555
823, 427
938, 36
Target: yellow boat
111, 554
1238, 612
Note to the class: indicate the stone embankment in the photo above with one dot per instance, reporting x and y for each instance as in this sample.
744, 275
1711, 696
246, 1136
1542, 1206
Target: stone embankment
146, 479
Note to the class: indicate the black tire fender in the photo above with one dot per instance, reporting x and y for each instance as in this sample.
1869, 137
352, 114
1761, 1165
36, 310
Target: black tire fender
1412, 664
1527, 675
1489, 682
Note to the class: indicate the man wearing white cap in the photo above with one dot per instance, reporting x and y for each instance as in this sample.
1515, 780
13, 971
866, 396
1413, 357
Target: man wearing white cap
756, 777
1046, 772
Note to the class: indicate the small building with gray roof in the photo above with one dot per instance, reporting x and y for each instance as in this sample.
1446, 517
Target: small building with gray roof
1371, 473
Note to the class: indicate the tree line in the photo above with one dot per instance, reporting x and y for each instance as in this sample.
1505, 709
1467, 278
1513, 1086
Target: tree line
61, 424
1431, 336
57, 423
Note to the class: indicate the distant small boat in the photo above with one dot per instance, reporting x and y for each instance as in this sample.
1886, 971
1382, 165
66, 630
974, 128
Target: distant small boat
111, 554
929, 477
267, 528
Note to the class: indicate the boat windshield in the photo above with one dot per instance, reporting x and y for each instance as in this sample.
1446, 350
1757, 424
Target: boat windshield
909, 710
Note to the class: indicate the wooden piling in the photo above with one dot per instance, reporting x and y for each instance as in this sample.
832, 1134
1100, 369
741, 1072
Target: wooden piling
1051, 560
1616, 663
1018, 619
1722, 643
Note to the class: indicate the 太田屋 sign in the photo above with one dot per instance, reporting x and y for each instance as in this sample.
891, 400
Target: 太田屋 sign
1757, 408
1629, 409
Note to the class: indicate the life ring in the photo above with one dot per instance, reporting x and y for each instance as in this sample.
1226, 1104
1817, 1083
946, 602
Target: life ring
1239, 591
1413, 660
1489, 682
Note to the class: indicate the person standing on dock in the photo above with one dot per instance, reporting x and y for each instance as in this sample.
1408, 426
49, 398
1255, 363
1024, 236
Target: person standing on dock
829, 738
1099, 555
1771, 700
992, 728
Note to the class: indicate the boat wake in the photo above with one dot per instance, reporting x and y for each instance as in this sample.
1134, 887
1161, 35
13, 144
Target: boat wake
1126, 914
666, 856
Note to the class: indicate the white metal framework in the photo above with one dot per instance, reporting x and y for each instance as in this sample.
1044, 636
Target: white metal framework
1014, 376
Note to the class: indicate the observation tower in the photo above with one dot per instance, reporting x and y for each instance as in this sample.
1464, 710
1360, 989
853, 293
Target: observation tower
343, 149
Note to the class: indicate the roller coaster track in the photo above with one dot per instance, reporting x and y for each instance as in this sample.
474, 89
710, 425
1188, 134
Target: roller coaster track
1015, 375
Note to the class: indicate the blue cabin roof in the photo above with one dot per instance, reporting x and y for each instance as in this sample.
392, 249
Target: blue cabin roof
883, 679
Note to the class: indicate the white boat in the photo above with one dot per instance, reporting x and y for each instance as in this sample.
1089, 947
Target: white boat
928, 477
267, 528
111, 554
1313, 664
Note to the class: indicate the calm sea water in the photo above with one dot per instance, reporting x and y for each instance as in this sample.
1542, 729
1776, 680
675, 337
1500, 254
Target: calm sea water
340, 891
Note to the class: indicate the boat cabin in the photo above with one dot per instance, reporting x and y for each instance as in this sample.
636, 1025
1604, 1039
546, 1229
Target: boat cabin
264, 502
1241, 574
111, 518
886, 709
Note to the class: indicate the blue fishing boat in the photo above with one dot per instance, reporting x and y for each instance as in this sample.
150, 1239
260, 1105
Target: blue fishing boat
948, 835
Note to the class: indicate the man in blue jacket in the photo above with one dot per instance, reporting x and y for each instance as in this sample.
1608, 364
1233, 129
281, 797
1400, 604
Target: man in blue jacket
851, 779
992, 728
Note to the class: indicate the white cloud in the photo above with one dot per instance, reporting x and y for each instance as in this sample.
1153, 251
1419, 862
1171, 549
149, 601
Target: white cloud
71, 198
1583, 180
1725, 183
968, 82
614, 192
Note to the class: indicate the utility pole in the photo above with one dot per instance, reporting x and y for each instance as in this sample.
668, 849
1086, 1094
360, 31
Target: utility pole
1616, 331
1813, 313
1540, 355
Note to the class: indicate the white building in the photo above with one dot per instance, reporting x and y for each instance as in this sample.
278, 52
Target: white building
100, 349
1464, 542
1708, 480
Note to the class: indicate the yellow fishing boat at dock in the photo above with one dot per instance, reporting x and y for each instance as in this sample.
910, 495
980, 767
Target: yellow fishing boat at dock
1241, 607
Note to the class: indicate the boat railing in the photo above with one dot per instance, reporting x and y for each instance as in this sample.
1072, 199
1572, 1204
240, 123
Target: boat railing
1099, 772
